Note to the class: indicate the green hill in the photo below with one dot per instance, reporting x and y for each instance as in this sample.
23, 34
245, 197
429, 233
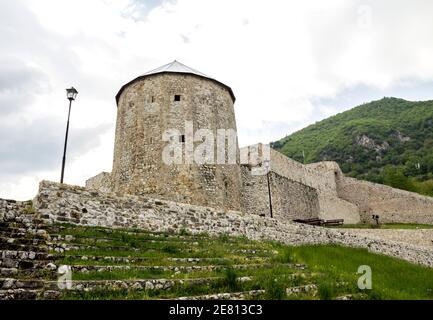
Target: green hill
388, 141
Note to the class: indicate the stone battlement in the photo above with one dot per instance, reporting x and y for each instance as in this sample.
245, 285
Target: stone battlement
57, 203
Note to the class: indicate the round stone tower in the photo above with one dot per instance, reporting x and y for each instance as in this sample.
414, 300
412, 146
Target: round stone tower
158, 115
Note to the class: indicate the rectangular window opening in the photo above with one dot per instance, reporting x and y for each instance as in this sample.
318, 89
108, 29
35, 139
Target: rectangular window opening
153, 99
182, 138
177, 97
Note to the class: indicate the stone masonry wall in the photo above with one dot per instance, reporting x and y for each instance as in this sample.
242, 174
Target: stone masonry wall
392, 205
290, 199
319, 176
146, 110
72, 204
101, 182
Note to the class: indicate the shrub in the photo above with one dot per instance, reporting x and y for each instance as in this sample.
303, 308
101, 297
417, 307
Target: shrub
230, 278
184, 232
326, 290
223, 237
274, 289
286, 255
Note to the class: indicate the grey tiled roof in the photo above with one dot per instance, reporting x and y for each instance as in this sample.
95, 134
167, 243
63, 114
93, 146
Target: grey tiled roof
174, 67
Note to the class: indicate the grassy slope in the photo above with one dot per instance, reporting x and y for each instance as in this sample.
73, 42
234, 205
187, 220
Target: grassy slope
335, 139
332, 268
391, 278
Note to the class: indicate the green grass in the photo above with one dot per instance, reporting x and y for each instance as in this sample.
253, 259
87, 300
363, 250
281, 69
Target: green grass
386, 226
332, 268
391, 278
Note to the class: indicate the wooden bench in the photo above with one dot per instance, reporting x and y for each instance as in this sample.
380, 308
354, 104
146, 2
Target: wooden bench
334, 222
313, 221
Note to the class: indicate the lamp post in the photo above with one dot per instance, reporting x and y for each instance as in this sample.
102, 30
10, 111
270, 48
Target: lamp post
71, 94
267, 164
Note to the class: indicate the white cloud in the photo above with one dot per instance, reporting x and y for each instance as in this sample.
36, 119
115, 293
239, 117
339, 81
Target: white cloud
288, 62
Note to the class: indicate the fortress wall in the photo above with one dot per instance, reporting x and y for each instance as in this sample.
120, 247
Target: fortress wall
77, 205
101, 182
332, 207
392, 205
318, 176
322, 177
290, 199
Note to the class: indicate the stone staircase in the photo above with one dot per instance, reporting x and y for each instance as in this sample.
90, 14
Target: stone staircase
109, 263
24, 255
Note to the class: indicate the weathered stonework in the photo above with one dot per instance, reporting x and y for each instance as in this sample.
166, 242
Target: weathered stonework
290, 199
319, 177
77, 205
392, 205
147, 109
101, 182
417, 237
346, 198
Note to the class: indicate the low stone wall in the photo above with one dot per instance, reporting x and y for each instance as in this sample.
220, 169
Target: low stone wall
290, 199
72, 204
417, 237
392, 205
101, 182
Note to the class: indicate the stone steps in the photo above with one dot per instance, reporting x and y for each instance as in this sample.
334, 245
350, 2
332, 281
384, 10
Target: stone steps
143, 238
20, 294
20, 264
225, 296
4, 241
108, 246
25, 255
310, 289
62, 247
144, 242
83, 240
28, 268
292, 291
24, 247
29, 235
88, 285
352, 296
174, 268
11, 288
40, 272
22, 220
56, 229
48, 271
138, 260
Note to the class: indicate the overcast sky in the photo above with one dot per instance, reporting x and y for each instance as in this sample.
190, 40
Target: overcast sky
289, 63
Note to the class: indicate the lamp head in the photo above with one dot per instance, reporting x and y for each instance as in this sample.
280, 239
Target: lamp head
71, 93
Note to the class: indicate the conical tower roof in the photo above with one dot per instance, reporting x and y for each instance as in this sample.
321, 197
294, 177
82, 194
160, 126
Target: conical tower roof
174, 67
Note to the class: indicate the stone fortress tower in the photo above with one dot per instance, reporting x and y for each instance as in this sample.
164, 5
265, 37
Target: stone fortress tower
168, 106
169, 98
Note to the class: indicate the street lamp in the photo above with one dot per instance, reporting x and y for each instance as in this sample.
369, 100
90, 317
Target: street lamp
71, 94
267, 164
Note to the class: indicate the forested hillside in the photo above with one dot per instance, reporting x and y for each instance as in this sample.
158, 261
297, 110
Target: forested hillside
388, 141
